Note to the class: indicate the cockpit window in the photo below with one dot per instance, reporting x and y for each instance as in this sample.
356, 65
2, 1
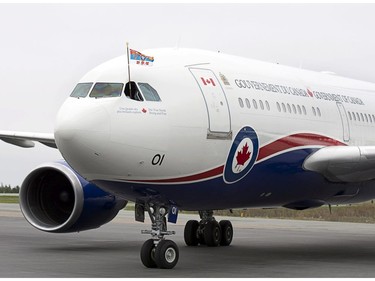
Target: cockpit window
132, 92
106, 90
81, 90
149, 92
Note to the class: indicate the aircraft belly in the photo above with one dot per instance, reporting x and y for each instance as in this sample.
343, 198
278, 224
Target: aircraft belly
277, 181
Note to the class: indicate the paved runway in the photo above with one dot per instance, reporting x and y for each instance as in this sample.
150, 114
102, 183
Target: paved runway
261, 248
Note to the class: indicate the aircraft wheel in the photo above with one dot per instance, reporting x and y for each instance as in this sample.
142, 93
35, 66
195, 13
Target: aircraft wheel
166, 254
148, 254
201, 239
190, 233
226, 232
212, 234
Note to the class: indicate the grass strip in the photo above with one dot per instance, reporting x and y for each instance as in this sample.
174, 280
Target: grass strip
362, 213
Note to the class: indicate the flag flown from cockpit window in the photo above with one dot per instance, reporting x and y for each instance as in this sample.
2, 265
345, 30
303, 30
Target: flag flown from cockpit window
139, 58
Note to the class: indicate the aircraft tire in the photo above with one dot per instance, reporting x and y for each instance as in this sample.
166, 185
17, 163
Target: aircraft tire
226, 232
148, 254
190, 233
166, 254
212, 234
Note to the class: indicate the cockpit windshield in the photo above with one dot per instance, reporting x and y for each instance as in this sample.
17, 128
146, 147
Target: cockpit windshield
135, 91
149, 92
81, 90
105, 90
141, 92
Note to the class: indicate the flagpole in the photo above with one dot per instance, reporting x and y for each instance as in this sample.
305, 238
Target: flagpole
127, 51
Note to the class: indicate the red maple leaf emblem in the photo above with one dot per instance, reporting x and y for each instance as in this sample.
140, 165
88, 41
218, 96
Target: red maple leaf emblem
243, 155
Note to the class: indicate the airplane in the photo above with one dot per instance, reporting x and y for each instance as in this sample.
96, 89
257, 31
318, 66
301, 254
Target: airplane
196, 130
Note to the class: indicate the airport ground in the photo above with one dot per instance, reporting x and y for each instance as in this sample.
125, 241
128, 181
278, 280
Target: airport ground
261, 248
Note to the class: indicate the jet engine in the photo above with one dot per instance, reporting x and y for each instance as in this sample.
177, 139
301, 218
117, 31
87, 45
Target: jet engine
54, 198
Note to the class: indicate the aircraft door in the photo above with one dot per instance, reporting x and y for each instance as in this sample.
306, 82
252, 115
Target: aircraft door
216, 104
344, 121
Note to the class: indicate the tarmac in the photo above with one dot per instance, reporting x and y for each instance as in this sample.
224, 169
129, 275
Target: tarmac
260, 248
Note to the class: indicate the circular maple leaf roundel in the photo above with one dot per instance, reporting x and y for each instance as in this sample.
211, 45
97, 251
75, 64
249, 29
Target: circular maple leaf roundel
242, 155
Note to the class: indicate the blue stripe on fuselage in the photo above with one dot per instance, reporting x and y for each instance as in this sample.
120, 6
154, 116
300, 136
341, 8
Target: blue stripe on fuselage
277, 181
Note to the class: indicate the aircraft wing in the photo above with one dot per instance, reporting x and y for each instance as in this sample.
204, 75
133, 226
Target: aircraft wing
26, 139
343, 163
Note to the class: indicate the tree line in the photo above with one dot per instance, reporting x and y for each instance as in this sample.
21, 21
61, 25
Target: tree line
9, 189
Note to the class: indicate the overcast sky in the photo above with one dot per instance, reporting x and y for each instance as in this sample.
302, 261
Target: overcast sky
46, 48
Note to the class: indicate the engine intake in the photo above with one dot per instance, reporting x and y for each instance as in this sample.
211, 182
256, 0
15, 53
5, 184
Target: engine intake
53, 198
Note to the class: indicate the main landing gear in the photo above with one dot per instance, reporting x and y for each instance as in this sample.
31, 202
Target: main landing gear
208, 231
158, 252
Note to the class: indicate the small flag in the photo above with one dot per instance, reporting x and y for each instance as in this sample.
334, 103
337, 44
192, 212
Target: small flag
140, 59
208, 81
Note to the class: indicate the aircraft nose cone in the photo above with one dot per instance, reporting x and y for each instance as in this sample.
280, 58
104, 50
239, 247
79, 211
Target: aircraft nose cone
65, 128
79, 124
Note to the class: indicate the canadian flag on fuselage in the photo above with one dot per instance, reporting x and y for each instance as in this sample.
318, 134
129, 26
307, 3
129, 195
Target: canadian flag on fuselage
208, 81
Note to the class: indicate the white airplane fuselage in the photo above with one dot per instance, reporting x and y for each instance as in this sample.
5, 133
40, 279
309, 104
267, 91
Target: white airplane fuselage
228, 132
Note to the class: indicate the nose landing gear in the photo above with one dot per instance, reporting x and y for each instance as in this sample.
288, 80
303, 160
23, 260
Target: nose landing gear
158, 252
208, 231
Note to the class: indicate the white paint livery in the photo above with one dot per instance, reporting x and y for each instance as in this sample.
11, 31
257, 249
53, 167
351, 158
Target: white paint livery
195, 127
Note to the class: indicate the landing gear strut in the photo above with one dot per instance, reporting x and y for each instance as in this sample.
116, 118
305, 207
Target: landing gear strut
208, 231
158, 252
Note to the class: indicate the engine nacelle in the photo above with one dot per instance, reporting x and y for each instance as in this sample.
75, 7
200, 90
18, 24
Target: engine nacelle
54, 198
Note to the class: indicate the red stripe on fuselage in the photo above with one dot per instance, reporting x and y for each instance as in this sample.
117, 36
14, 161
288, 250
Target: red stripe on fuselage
293, 141
277, 146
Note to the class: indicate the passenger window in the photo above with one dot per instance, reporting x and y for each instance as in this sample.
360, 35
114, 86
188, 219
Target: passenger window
318, 111
278, 107
132, 92
149, 92
81, 90
304, 110
354, 118
299, 109
294, 109
313, 110
255, 104
284, 108
366, 117
261, 105
350, 116
106, 90
359, 119
268, 106
247, 103
289, 109
240, 102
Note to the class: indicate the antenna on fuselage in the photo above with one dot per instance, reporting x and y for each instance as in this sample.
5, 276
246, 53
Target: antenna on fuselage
127, 51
